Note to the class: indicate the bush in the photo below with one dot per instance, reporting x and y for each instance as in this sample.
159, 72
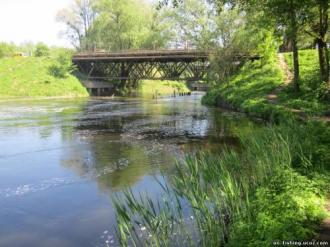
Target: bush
6, 49
62, 65
288, 207
41, 50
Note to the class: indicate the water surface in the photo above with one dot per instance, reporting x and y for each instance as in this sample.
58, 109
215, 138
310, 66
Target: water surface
62, 160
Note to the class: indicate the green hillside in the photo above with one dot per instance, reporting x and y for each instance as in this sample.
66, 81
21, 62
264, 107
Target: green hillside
30, 77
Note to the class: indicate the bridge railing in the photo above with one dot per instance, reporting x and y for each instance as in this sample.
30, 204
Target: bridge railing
146, 53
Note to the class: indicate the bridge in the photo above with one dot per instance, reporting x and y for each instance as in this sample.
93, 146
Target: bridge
188, 65
126, 68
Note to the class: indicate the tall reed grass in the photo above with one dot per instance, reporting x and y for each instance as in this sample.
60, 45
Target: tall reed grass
214, 200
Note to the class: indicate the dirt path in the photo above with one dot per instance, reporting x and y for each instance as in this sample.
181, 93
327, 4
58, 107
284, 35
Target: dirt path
324, 232
272, 97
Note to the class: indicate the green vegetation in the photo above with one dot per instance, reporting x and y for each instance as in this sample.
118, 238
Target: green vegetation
6, 49
152, 88
29, 76
41, 50
274, 187
248, 89
115, 25
270, 190
314, 96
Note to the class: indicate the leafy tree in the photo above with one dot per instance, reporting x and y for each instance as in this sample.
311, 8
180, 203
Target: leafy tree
129, 24
123, 24
41, 50
317, 27
288, 16
195, 24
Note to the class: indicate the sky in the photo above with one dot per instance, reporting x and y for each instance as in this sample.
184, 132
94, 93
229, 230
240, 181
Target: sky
32, 20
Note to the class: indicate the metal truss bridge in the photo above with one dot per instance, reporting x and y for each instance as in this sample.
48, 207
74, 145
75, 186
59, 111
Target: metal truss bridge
188, 65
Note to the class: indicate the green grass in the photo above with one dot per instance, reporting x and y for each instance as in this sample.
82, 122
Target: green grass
29, 77
247, 90
151, 88
312, 98
270, 190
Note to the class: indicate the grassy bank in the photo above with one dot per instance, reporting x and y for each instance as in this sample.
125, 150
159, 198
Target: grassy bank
274, 188
149, 88
31, 77
313, 98
248, 89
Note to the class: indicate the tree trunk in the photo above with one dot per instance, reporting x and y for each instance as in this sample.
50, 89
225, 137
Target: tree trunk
295, 65
324, 67
328, 63
321, 41
293, 37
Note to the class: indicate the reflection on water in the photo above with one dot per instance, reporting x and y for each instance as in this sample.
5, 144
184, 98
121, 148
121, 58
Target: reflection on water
61, 160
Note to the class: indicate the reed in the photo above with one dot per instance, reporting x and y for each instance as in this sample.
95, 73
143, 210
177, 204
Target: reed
223, 194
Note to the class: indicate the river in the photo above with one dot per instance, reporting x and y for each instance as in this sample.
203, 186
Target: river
62, 160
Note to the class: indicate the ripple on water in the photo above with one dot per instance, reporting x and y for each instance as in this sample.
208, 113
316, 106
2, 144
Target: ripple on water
93, 174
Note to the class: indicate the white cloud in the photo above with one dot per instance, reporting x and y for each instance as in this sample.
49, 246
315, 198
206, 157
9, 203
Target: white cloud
32, 20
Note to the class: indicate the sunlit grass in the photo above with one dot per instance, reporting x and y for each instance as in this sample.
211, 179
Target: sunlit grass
313, 96
150, 88
29, 76
248, 89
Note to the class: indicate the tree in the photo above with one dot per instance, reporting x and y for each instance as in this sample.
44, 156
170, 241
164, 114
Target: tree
129, 24
122, 24
287, 15
78, 18
195, 24
317, 27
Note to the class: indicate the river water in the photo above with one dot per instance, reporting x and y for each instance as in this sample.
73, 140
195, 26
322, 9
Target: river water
61, 161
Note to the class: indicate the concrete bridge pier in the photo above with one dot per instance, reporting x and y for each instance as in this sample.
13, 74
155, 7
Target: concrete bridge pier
98, 88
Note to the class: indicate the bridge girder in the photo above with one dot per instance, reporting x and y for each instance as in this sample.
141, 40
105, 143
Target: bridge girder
138, 65
148, 70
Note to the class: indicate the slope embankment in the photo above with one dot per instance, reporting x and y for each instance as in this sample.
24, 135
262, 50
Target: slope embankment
31, 77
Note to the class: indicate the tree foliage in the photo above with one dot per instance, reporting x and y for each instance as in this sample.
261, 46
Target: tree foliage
62, 65
41, 50
115, 25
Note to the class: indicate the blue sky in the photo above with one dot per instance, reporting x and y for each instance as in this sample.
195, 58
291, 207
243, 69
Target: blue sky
32, 20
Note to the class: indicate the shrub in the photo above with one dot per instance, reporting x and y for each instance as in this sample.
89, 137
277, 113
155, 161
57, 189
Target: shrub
6, 49
62, 65
41, 50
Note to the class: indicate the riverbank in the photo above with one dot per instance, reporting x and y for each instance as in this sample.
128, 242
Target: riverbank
252, 89
273, 189
150, 88
31, 77
265, 90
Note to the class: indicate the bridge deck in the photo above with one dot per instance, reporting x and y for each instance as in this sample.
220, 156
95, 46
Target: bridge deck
143, 55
